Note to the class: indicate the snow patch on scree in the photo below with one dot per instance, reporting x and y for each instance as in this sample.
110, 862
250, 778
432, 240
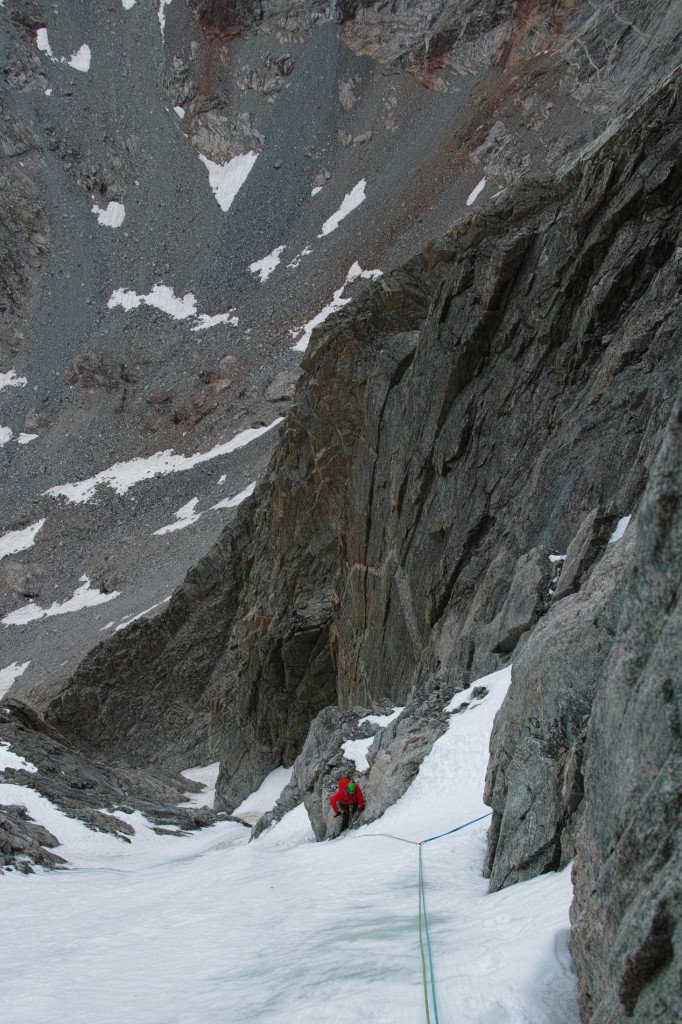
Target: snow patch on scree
163, 298
226, 179
185, 516
9, 674
237, 499
124, 475
337, 302
5, 435
163, 4
10, 380
20, 540
8, 759
350, 203
204, 321
83, 597
111, 216
79, 61
267, 266
160, 297
140, 615
473, 196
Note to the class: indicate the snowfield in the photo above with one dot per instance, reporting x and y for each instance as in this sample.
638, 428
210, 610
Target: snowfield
209, 927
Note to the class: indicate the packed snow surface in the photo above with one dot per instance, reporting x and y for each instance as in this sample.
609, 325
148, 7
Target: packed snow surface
477, 191
110, 216
124, 475
226, 179
128, 4
207, 776
621, 527
9, 674
266, 796
337, 302
26, 438
194, 929
10, 380
350, 203
5, 435
20, 540
267, 266
356, 751
83, 597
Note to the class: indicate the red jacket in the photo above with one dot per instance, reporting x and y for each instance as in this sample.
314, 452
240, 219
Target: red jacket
347, 799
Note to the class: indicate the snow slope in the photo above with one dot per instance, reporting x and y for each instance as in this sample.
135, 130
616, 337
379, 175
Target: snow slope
284, 930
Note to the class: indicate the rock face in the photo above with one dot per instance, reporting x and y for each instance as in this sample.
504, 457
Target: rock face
454, 426
535, 782
626, 939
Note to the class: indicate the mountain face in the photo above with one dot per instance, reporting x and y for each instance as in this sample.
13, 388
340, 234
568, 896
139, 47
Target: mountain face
476, 460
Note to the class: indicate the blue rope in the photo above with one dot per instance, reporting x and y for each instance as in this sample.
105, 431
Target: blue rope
423, 917
458, 829
432, 973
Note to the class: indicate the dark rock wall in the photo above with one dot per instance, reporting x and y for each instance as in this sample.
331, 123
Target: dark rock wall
627, 910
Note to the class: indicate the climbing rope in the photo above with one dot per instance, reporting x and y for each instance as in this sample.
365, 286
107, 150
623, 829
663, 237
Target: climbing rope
428, 976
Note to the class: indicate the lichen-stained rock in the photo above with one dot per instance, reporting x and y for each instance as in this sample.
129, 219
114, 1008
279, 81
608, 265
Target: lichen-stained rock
627, 910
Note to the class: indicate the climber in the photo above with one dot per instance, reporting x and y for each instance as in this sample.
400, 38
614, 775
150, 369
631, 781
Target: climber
347, 802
